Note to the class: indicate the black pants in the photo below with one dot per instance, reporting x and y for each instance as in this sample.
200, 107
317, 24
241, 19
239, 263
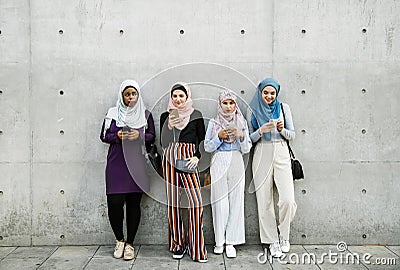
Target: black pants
115, 203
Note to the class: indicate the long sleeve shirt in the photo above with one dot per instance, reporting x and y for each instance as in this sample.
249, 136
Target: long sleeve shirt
194, 132
125, 170
276, 136
214, 143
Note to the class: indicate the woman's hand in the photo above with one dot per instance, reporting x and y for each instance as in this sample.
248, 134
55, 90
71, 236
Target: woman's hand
223, 134
279, 125
133, 135
239, 133
267, 127
119, 134
173, 121
193, 161
122, 135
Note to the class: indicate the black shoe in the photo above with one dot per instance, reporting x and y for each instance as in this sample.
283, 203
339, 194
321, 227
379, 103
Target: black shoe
179, 254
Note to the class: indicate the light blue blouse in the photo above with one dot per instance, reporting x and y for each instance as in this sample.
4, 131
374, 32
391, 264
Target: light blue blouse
213, 144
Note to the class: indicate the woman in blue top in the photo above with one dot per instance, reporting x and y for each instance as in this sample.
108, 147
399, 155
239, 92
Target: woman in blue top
227, 137
271, 164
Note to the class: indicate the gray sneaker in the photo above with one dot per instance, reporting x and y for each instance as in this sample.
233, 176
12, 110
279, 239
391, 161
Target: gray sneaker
275, 249
285, 245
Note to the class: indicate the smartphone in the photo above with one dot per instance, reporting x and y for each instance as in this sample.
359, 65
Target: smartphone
274, 121
127, 129
174, 112
231, 127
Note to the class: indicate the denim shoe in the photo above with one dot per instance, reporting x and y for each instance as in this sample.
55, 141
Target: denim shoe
275, 249
119, 249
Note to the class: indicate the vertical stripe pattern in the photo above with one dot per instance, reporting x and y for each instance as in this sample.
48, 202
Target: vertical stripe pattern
175, 182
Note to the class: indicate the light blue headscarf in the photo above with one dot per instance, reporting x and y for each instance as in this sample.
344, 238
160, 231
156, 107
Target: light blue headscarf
263, 112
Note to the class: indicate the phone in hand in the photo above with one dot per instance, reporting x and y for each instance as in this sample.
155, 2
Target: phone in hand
274, 121
127, 129
174, 112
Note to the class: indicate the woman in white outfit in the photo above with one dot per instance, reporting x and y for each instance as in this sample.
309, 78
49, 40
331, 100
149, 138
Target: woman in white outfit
227, 137
271, 165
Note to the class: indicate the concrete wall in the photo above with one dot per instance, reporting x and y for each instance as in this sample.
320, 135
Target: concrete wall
61, 64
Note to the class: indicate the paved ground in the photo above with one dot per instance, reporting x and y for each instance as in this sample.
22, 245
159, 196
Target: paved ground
157, 257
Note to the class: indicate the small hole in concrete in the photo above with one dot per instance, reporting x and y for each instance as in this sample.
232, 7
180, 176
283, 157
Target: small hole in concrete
303, 31
303, 131
182, 32
62, 192
364, 236
303, 92
1, 237
242, 92
1, 193
304, 191
364, 30
61, 92
1, 132
62, 132
1, 92
61, 32
364, 191
303, 236
62, 236
0, 32
121, 32
363, 131
242, 31
363, 91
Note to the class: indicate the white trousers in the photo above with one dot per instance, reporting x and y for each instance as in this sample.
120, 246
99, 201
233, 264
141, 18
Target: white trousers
227, 197
271, 164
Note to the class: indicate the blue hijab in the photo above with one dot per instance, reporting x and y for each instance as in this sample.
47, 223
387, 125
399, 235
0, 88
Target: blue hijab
263, 112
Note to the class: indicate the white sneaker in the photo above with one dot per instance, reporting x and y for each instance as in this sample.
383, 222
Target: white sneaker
218, 249
129, 253
275, 249
230, 251
285, 245
119, 249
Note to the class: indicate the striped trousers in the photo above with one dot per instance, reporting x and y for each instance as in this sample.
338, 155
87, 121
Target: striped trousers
189, 182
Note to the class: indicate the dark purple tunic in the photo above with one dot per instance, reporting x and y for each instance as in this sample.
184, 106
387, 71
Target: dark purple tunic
126, 164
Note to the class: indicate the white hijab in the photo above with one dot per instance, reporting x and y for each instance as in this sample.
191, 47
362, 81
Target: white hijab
134, 117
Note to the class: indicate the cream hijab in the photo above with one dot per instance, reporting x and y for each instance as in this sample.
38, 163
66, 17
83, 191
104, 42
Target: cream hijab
133, 117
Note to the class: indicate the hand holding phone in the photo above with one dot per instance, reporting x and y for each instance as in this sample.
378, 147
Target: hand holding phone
174, 113
173, 118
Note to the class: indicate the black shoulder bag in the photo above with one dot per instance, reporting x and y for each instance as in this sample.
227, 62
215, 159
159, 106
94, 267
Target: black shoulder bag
297, 169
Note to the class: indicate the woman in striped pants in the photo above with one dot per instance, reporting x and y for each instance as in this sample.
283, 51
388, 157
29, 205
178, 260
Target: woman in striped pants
182, 130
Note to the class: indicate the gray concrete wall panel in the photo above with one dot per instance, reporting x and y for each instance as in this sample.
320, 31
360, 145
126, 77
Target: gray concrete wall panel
61, 65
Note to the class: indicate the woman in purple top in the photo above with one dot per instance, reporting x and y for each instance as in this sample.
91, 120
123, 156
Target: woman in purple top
127, 128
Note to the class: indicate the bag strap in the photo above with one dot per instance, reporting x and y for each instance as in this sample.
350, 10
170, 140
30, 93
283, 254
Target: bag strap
175, 146
287, 141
